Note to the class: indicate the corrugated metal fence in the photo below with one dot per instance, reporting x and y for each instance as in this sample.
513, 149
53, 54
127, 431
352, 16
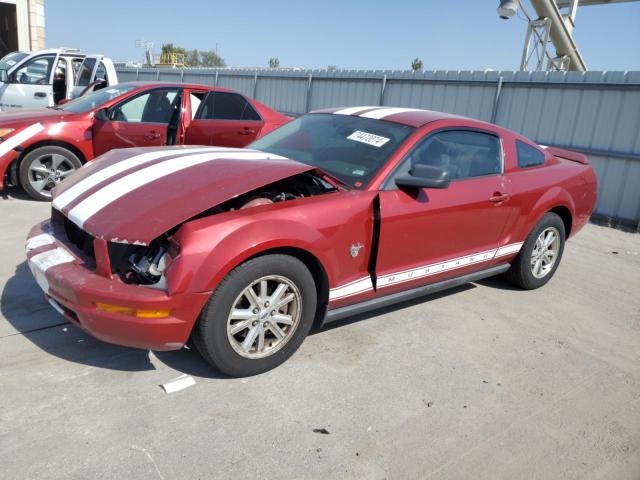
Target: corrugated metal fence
597, 113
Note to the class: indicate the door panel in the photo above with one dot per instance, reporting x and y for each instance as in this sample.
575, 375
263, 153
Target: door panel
226, 133
110, 134
459, 223
428, 235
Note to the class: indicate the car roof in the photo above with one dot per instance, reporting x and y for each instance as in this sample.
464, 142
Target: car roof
153, 83
413, 117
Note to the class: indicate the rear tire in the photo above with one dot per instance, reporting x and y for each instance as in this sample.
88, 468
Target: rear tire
258, 316
540, 254
44, 168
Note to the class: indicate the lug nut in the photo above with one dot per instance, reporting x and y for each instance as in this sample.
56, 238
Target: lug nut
273, 312
254, 323
256, 311
266, 304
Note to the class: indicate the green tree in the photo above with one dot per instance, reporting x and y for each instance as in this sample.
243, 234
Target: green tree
209, 58
416, 65
274, 62
193, 58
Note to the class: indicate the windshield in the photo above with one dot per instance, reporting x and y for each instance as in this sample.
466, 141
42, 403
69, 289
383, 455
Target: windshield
90, 101
9, 60
352, 149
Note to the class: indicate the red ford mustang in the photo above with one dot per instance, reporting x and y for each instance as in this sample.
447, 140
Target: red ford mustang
338, 212
41, 147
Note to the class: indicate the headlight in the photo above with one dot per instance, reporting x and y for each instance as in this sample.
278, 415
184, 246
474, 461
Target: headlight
5, 131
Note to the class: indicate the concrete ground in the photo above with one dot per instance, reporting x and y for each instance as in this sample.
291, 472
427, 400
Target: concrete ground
482, 382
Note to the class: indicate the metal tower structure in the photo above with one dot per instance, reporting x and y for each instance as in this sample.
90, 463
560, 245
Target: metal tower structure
549, 42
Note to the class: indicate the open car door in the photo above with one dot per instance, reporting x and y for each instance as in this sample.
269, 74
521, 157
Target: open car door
144, 120
96, 72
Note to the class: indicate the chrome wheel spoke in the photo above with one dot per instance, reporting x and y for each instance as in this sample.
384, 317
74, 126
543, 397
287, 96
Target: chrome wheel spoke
64, 173
242, 314
545, 252
286, 300
260, 347
239, 326
250, 339
282, 318
252, 297
39, 168
57, 160
39, 185
277, 331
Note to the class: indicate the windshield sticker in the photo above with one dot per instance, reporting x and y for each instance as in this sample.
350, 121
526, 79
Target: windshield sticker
368, 138
358, 172
112, 90
11, 63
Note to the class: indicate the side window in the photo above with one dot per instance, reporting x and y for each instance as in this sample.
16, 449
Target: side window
86, 69
196, 100
463, 153
528, 156
101, 72
226, 106
76, 63
152, 107
36, 71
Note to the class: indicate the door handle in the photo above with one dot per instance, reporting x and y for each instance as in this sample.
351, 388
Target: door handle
246, 131
40, 94
153, 135
498, 197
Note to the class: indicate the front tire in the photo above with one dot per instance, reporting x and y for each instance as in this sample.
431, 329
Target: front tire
258, 316
45, 167
540, 254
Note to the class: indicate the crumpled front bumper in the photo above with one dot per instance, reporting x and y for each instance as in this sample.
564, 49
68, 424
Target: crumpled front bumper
74, 289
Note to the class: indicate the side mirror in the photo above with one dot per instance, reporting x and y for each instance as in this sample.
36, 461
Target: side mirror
4, 76
424, 176
102, 114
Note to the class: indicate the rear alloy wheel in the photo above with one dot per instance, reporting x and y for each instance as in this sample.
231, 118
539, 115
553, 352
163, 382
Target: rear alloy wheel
258, 316
44, 168
540, 254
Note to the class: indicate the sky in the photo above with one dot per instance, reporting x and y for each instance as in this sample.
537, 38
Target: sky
356, 34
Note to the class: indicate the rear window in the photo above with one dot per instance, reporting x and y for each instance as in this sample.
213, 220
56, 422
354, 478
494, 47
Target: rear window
528, 156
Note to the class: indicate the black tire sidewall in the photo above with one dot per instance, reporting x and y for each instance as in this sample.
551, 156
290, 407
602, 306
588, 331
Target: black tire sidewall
28, 159
211, 331
548, 220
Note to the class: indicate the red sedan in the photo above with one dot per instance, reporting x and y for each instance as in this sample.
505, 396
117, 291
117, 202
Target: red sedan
336, 213
41, 147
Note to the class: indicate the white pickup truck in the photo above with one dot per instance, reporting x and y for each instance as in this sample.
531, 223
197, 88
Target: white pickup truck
48, 77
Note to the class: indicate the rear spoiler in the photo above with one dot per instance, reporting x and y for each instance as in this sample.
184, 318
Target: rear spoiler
567, 154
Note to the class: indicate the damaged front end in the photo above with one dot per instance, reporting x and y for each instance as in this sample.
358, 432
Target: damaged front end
147, 265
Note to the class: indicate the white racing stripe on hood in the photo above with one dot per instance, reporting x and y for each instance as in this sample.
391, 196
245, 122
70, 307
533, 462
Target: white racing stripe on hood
119, 188
22, 136
352, 110
69, 195
385, 112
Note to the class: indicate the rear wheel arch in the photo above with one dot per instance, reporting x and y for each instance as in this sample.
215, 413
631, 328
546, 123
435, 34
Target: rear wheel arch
567, 218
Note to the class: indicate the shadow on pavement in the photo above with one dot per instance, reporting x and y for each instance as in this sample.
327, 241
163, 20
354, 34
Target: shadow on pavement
25, 308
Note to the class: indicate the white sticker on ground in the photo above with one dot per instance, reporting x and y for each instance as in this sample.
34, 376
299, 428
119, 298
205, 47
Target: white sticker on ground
69, 195
368, 138
113, 191
180, 383
19, 138
39, 241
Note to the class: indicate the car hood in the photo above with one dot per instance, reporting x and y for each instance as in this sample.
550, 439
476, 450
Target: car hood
32, 115
135, 195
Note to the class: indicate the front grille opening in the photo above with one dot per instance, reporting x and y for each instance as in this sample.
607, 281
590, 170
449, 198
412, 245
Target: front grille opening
78, 237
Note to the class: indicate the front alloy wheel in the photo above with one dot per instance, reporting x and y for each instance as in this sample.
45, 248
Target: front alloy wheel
258, 315
264, 317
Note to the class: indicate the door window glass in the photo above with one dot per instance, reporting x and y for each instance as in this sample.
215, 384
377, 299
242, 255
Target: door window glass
101, 72
463, 153
196, 100
226, 106
528, 156
86, 69
36, 71
151, 107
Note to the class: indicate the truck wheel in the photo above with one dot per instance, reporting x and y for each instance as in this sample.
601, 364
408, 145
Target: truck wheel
258, 316
540, 255
44, 168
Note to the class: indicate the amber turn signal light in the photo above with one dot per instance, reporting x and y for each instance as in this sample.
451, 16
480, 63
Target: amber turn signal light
134, 312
